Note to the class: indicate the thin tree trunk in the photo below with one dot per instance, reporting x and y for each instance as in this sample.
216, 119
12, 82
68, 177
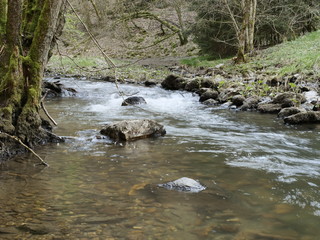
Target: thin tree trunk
252, 22
242, 35
3, 19
182, 34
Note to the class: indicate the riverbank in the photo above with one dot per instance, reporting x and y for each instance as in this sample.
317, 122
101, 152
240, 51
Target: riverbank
285, 76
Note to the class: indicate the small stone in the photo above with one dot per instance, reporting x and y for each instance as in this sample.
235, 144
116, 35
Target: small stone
184, 184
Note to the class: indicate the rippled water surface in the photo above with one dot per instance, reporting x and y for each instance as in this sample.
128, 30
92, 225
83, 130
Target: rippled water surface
262, 177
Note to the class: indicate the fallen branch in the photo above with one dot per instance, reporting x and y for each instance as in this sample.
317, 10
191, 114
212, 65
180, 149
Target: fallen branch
46, 112
24, 145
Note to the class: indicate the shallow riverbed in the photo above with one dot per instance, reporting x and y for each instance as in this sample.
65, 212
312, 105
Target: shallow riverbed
262, 176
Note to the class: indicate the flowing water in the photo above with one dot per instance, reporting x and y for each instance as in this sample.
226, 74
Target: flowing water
262, 177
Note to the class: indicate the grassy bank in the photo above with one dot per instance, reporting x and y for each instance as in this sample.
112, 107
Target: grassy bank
300, 56
97, 67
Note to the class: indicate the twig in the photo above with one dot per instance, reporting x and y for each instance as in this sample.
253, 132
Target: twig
24, 145
106, 57
1, 49
60, 57
46, 112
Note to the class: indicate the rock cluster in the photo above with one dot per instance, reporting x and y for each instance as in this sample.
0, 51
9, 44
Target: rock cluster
295, 107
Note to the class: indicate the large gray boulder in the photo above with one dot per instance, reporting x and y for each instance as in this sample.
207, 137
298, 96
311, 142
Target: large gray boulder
133, 129
184, 184
303, 117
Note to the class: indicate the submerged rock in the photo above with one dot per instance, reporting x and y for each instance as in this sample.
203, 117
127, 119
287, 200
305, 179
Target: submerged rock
303, 117
286, 112
133, 101
133, 129
184, 184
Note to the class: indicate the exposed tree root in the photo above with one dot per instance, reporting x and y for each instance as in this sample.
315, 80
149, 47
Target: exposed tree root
42, 162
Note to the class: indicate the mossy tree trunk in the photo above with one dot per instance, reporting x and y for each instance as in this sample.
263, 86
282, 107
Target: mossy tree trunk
3, 17
30, 30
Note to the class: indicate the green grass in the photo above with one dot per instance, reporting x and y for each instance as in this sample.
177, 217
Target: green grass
299, 56
97, 67
202, 61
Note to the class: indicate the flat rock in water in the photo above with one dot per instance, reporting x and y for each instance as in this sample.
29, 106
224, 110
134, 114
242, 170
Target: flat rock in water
133, 129
184, 184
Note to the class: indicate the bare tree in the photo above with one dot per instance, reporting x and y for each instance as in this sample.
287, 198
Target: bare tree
244, 27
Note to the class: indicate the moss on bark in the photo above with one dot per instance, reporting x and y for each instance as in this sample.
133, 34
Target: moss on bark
23, 69
3, 18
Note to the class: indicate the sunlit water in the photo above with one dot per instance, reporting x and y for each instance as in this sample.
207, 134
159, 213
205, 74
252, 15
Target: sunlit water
262, 177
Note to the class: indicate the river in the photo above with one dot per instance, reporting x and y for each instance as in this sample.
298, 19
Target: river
262, 177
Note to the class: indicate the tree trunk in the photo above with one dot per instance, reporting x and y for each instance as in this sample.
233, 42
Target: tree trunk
182, 33
3, 19
246, 32
22, 66
242, 34
251, 24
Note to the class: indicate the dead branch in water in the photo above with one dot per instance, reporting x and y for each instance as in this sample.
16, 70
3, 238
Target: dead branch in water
45, 110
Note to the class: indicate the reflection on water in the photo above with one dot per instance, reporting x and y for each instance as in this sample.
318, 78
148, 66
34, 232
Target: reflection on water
262, 177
